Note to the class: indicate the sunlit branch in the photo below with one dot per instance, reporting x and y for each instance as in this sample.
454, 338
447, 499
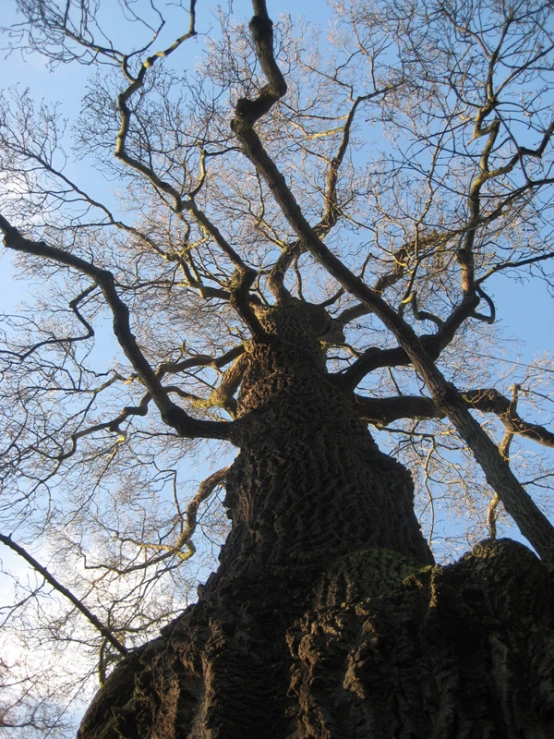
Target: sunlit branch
332, 210
465, 253
172, 414
244, 276
125, 114
505, 451
222, 396
421, 315
141, 409
194, 281
532, 522
400, 258
112, 426
184, 540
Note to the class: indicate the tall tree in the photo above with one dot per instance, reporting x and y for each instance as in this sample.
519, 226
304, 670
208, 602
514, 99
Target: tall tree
302, 246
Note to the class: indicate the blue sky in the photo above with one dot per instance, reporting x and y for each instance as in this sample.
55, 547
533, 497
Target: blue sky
525, 314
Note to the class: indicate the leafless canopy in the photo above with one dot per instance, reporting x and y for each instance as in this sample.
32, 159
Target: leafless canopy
393, 167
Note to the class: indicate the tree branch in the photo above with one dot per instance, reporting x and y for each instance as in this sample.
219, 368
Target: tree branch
106, 633
532, 522
125, 113
184, 539
171, 414
375, 358
487, 400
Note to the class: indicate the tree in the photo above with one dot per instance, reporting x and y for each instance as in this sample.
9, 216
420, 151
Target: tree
303, 246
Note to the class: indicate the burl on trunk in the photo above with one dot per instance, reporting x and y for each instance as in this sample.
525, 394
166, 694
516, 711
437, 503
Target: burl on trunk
327, 617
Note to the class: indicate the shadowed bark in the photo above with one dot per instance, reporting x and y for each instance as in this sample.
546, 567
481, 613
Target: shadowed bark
327, 617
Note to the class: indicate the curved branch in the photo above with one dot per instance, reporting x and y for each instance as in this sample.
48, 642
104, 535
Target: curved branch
201, 360
491, 318
171, 414
532, 522
184, 539
422, 315
125, 113
73, 304
487, 400
331, 214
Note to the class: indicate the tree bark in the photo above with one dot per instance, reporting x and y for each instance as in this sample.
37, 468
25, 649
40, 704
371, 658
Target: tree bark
327, 617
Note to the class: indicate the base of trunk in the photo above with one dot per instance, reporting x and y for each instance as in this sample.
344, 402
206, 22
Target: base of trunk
375, 646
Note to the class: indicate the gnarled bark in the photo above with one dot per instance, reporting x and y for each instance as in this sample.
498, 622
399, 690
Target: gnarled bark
327, 617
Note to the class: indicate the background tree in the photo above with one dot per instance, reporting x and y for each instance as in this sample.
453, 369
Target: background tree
302, 243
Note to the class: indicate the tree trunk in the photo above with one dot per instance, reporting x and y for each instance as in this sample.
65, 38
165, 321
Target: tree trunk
327, 617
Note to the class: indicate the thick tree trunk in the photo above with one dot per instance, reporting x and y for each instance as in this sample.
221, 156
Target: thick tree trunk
327, 617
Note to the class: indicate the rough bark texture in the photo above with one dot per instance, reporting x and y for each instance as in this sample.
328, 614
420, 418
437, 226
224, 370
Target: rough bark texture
327, 617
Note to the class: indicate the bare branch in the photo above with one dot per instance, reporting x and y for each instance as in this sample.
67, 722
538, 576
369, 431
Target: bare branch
172, 414
383, 411
106, 633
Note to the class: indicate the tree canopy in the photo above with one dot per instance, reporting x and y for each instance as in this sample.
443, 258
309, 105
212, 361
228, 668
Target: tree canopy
391, 168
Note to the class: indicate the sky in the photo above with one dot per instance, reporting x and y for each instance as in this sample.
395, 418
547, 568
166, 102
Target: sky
524, 314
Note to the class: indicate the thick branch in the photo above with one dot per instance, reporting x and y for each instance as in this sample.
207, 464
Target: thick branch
201, 360
172, 414
261, 28
375, 358
532, 522
223, 395
487, 400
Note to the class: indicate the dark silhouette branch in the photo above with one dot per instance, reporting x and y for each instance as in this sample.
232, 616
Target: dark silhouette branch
73, 304
383, 411
104, 630
514, 265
